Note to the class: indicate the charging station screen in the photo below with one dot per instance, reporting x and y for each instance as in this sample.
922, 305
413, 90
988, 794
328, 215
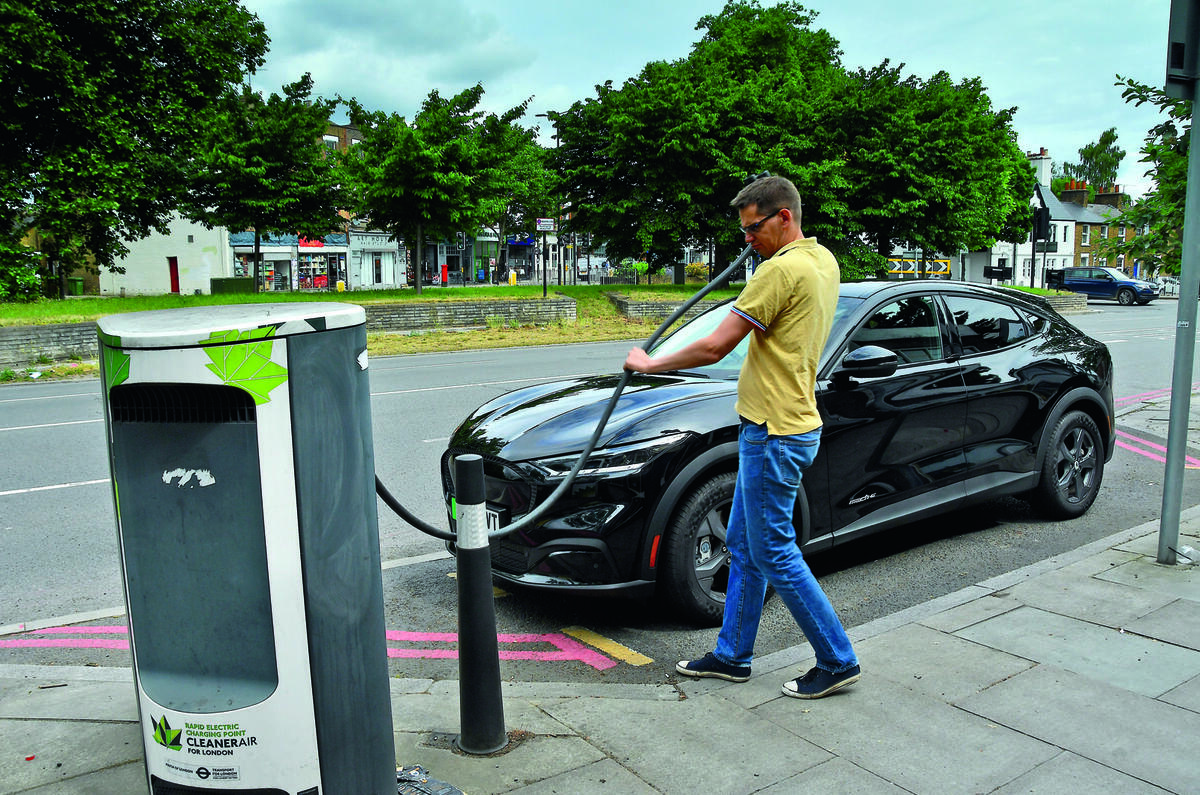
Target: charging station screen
186, 463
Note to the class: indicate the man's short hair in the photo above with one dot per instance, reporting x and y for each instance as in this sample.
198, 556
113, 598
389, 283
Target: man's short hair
769, 194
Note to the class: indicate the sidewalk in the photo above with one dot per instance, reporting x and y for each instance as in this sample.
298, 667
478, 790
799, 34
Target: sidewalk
1080, 673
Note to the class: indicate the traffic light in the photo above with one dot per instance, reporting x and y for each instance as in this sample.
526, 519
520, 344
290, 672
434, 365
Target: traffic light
462, 241
1041, 223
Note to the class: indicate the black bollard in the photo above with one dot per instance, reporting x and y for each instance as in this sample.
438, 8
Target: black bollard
480, 707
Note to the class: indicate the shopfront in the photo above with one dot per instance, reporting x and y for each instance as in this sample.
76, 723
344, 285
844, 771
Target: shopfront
377, 262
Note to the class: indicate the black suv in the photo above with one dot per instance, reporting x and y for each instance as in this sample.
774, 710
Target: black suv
933, 394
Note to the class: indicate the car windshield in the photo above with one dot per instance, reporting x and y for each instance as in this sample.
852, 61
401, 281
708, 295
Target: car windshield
729, 367
1116, 274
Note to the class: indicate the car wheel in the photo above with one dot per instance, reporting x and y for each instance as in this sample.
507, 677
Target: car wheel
1126, 298
1073, 468
695, 563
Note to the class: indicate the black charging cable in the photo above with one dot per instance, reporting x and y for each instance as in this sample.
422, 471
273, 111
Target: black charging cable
535, 514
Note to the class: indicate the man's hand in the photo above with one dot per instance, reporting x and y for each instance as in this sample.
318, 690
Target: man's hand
638, 361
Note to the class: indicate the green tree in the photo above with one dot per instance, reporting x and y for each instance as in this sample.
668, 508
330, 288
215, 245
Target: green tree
929, 162
520, 182
104, 105
1099, 161
266, 168
432, 176
1161, 211
651, 167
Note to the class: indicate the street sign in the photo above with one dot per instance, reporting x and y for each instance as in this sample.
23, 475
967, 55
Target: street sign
545, 224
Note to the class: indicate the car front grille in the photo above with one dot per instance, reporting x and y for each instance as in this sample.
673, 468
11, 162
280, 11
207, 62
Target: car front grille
504, 487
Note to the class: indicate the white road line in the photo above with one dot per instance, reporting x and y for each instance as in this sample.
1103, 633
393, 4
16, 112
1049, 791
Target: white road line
49, 425
117, 612
55, 486
50, 397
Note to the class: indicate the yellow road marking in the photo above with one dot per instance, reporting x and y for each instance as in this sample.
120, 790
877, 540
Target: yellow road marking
609, 647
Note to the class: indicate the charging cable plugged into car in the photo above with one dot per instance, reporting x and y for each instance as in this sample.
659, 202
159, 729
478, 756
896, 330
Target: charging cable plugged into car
480, 705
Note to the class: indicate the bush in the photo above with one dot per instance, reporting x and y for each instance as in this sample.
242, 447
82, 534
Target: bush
861, 262
19, 277
696, 270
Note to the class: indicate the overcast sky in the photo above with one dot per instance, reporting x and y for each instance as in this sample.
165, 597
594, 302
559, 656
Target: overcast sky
1055, 60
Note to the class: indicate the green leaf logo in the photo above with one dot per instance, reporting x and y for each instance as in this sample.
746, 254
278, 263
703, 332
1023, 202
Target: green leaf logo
116, 366
165, 736
245, 364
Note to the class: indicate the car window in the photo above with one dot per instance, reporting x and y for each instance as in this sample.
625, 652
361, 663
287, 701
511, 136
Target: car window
985, 325
729, 367
907, 328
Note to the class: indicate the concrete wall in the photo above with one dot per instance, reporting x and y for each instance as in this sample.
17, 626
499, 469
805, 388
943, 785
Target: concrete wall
655, 310
21, 345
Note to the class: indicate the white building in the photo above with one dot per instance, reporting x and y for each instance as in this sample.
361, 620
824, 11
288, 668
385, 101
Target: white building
183, 261
1030, 262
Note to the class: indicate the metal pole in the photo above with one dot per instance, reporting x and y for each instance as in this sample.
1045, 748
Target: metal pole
1185, 346
480, 707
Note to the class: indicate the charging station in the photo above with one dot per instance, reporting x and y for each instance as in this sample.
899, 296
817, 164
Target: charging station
243, 477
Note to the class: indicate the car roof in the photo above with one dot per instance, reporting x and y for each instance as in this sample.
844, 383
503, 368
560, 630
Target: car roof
876, 288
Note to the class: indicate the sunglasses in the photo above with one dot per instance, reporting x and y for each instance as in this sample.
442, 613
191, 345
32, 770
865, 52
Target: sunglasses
750, 229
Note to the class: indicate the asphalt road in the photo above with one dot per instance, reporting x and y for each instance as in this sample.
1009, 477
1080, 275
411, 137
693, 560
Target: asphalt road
58, 544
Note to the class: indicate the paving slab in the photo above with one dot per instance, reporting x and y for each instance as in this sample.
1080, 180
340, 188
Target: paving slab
1070, 772
129, 779
1081, 594
536, 759
704, 744
1123, 659
911, 739
599, 778
835, 777
1176, 622
71, 700
985, 607
1142, 737
62, 750
1187, 695
1178, 582
936, 663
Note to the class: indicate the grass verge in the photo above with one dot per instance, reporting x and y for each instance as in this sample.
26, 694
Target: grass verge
597, 320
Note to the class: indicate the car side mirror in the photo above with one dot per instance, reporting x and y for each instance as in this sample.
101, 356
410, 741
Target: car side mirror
869, 361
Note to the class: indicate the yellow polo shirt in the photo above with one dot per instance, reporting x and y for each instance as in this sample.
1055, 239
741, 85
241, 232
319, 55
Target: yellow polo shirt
790, 300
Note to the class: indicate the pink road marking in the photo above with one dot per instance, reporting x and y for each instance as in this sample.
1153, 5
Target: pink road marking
65, 643
569, 649
1140, 451
1143, 395
1191, 462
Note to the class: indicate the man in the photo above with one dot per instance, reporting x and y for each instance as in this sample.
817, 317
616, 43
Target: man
788, 308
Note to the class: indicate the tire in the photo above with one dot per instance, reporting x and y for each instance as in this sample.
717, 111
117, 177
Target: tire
695, 563
1126, 297
1073, 468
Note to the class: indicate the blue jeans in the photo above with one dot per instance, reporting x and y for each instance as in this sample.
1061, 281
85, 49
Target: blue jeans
762, 545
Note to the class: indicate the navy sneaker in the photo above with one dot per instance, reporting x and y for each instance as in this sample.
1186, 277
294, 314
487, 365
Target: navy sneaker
708, 665
818, 683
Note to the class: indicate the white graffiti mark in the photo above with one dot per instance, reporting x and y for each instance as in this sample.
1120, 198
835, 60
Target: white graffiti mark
203, 477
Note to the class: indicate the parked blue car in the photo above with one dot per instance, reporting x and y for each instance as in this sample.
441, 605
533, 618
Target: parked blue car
1109, 283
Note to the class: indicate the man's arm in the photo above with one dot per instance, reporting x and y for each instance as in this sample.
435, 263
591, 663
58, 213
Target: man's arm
709, 350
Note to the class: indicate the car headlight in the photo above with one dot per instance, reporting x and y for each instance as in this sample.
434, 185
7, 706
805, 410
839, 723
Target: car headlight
611, 461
